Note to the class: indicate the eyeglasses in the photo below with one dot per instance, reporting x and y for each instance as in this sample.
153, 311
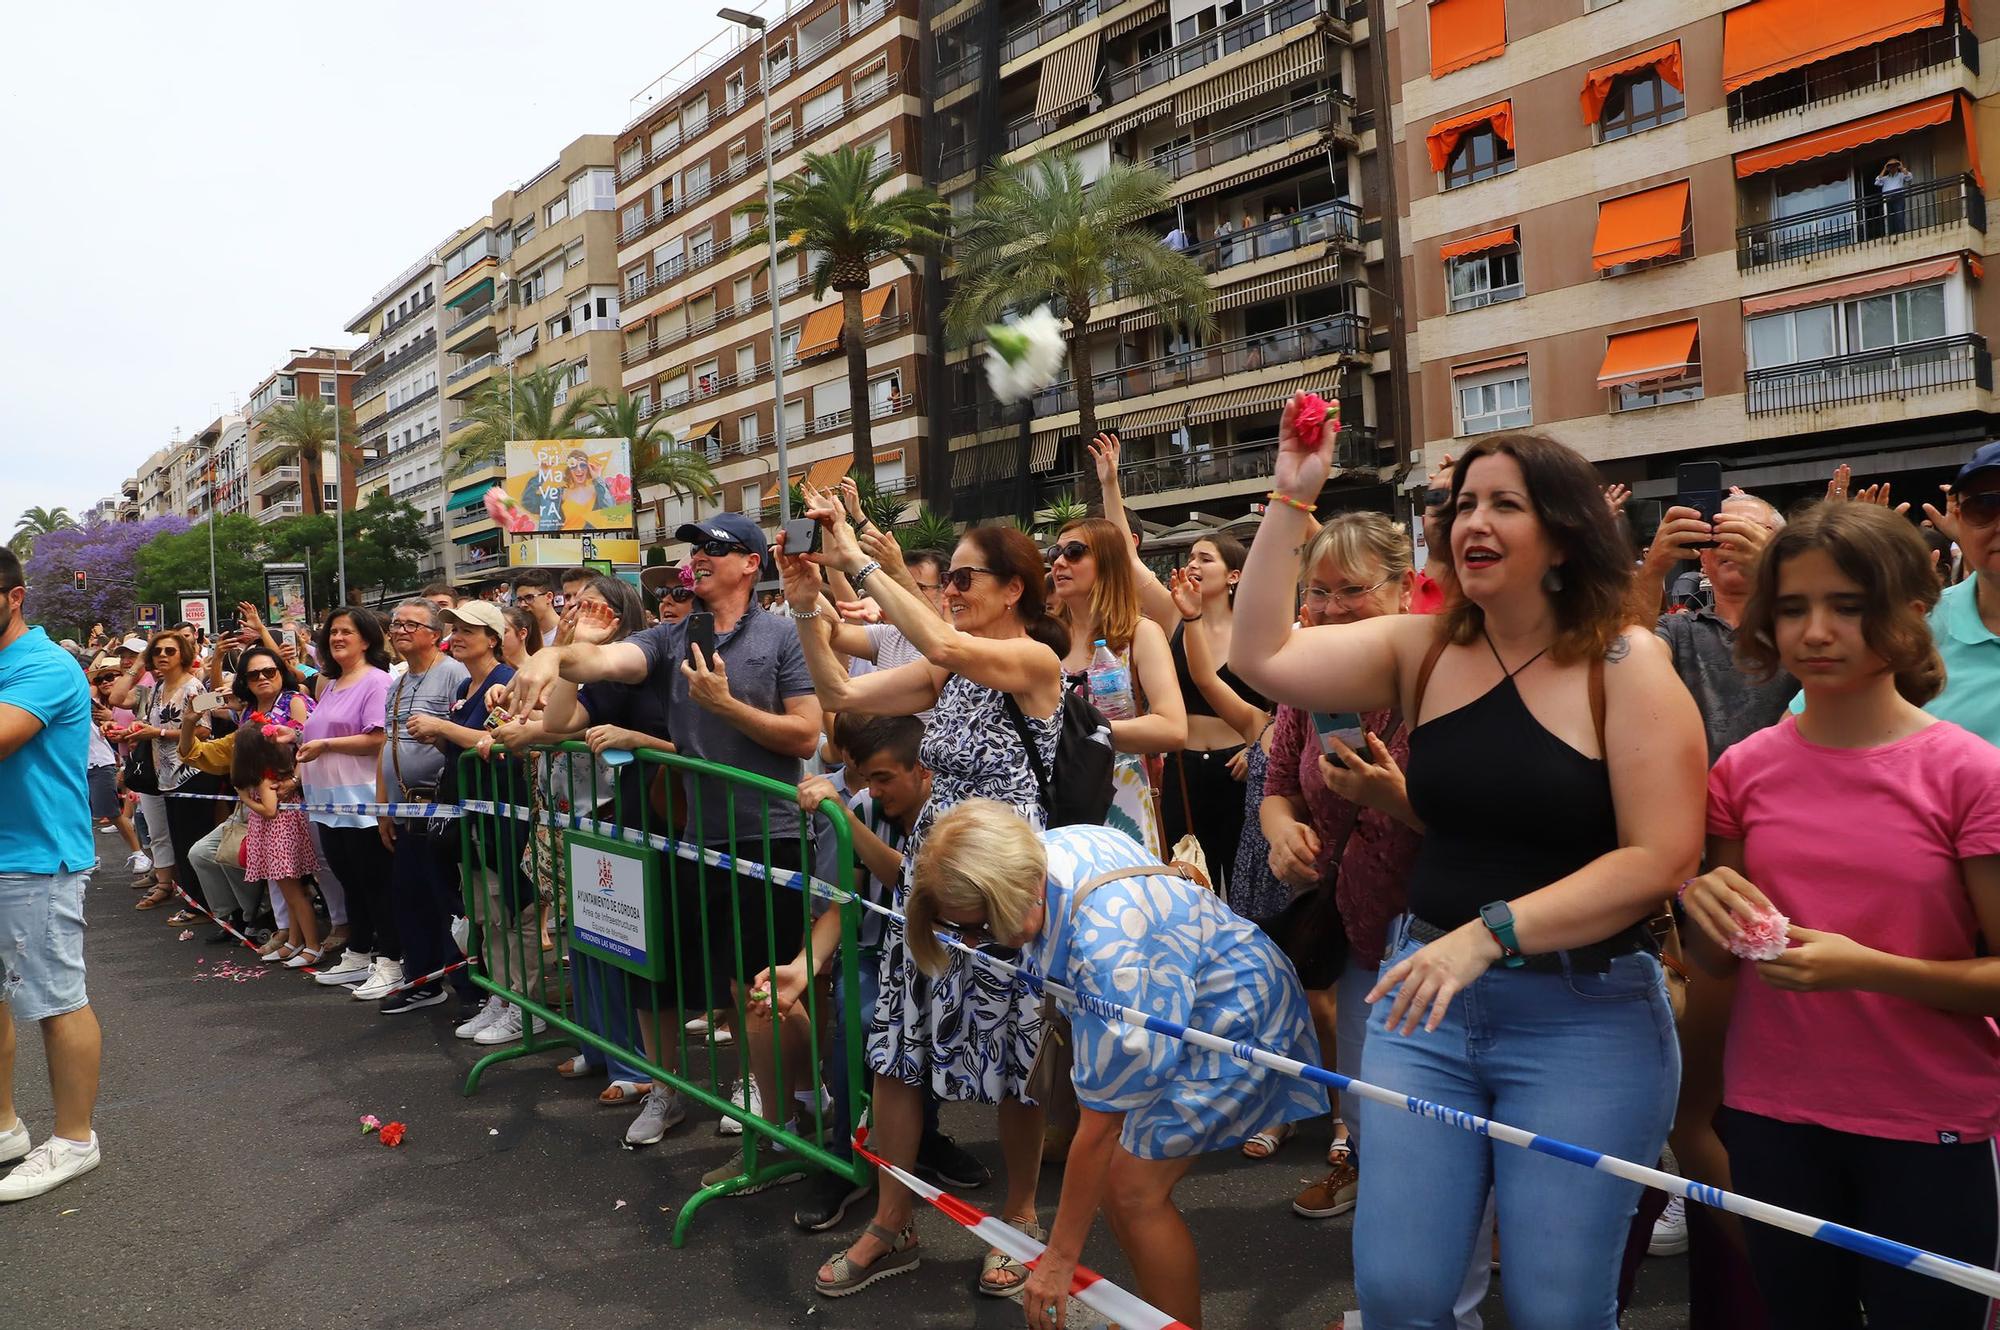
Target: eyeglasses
523, 597
1346, 595
960, 579
1982, 509
716, 549
680, 595
268, 672
410, 626
1073, 550
930, 588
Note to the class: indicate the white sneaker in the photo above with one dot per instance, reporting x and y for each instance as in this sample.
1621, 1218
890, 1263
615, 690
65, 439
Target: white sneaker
730, 1126
353, 967
1670, 1230
138, 862
47, 1166
483, 1020
507, 1028
386, 974
14, 1142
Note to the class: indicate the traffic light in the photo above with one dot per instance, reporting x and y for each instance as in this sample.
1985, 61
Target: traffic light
82, 580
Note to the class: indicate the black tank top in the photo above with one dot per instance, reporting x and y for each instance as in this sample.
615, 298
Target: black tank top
1197, 701
1507, 807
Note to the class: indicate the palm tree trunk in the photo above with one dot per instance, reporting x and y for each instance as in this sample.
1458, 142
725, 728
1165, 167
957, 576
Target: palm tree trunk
311, 492
1086, 410
859, 414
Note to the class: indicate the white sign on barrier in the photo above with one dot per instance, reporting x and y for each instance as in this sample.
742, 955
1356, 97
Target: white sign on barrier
609, 902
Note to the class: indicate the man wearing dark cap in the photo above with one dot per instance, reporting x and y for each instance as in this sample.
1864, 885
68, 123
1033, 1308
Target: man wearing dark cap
750, 706
1966, 622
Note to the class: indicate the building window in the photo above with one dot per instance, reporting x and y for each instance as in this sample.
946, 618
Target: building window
732, 91
1639, 101
1495, 399
746, 429
1485, 279
781, 61
746, 363
559, 326
524, 233
288, 385
631, 155
1480, 155
1636, 396
557, 210
1895, 318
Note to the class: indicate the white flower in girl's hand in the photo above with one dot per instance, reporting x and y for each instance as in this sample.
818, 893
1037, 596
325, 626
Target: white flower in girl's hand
1023, 355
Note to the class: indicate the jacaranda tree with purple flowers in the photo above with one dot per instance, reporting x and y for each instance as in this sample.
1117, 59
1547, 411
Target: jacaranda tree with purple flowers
106, 553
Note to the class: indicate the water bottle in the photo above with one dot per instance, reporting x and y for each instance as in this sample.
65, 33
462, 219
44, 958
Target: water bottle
1111, 684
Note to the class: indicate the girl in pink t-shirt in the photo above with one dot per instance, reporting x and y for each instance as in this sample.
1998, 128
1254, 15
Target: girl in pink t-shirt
1854, 856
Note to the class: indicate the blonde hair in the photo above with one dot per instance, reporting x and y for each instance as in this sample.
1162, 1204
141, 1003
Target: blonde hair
979, 854
1359, 540
1114, 598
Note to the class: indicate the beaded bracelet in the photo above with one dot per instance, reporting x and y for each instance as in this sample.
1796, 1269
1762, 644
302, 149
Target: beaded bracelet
1286, 499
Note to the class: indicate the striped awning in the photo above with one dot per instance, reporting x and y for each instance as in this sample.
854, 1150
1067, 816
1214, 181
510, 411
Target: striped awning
1042, 451
953, 16
1143, 14
1263, 397
1067, 76
1250, 171
1324, 272
991, 463
1280, 69
1152, 420
1111, 129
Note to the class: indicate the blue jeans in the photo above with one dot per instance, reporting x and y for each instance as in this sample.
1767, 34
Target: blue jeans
1587, 1058
870, 984
604, 1007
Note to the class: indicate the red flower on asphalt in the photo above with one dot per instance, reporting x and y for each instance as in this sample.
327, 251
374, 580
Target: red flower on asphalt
392, 1134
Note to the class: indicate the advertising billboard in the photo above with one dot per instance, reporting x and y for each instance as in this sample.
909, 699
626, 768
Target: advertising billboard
565, 485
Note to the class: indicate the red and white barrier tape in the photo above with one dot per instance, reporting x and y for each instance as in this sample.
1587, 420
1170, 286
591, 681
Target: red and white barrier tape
1125, 1309
223, 924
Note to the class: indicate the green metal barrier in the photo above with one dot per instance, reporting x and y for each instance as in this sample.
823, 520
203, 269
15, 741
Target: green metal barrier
644, 920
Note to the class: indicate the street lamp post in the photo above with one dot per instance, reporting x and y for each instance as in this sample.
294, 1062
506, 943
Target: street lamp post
757, 25
339, 494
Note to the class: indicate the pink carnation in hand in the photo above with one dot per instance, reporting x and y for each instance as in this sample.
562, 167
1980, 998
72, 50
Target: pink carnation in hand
1762, 938
1310, 421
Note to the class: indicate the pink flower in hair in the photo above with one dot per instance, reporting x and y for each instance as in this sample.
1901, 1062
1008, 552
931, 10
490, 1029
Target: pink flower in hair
1762, 938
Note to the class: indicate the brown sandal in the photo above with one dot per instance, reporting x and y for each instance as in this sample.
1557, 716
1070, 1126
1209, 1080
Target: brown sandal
849, 1277
155, 898
998, 1263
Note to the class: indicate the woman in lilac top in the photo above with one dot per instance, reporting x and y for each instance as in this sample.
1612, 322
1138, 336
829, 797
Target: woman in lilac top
341, 744
1323, 809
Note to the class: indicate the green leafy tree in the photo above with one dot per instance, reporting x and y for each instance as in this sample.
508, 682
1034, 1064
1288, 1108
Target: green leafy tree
930, 530
540, 404
656, 458
1062, 510
884, 510
38, 522
1037, 232
834, 210
302, 430
177, 562
384, 540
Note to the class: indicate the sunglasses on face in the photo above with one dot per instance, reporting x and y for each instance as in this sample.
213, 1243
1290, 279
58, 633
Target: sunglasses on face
960, 579
1982, 509
680, 595
267, 672
1073, 550
716, 549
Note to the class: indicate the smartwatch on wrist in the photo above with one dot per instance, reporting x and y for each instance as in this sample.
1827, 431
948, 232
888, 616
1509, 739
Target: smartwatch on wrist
1499, 920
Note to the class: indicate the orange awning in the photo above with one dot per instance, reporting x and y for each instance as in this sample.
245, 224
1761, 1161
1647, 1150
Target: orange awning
1853, 134
821, 333
875, 303
1646, 354
1445, 134
823, 474
1479, 244
1769, 37
1483, 366
1641, 226
1597, 83
1464, 32
1848, 288
700, 429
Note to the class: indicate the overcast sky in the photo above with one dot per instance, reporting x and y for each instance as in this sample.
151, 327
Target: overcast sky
195, 189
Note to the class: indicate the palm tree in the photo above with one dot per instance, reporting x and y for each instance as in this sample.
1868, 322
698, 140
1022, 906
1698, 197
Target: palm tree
38, 522
540, 404
833, 212
656, 458
303, 429
1037, 232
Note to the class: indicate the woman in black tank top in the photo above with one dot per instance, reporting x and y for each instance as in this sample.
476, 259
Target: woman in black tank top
1557, 764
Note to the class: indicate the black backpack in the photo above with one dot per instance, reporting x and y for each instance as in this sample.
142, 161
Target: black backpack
1079, 792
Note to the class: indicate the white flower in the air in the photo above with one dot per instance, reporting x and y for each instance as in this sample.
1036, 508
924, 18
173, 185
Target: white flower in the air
1023, 356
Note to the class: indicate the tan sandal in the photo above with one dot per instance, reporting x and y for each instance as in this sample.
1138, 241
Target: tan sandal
624, 1092
154, 898
851, 1277
1265, 1143
998, 1262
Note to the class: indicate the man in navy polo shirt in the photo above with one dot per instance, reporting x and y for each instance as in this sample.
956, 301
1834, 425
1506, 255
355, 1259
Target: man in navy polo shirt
46, 856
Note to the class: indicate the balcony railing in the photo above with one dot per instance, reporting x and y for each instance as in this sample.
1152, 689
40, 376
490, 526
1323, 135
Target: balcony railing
375, 468
1051, 26
416, 350
276, 478
470, 368
273, 512
1335, 220
470, 317
1909, 370
1930, 206
1331, 111
390, 325
1854, 73
1336, 334
1200, 465
464, 517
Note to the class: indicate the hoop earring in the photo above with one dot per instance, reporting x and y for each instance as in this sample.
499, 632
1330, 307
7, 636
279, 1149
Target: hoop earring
1552, 580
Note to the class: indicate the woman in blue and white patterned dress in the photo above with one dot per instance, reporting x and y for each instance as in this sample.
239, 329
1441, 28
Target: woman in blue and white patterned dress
1091, 911
966, 1033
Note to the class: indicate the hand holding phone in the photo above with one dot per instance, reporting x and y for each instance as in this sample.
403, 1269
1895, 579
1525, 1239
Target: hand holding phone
802, 536
1345, 726
1698, 486
701, 634
204, 703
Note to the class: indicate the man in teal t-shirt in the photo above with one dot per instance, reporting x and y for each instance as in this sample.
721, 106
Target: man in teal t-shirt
46, 855
1966, 622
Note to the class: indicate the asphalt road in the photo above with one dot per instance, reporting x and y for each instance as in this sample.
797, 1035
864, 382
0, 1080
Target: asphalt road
237, 1189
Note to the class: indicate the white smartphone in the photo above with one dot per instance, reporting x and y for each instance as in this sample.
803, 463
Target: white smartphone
1342, 725
204, 703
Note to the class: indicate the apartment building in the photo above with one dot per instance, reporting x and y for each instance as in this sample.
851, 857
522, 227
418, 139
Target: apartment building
155, 494
1261, 116
275, 480
697, 331
1763, 227
532, 285
400, 408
